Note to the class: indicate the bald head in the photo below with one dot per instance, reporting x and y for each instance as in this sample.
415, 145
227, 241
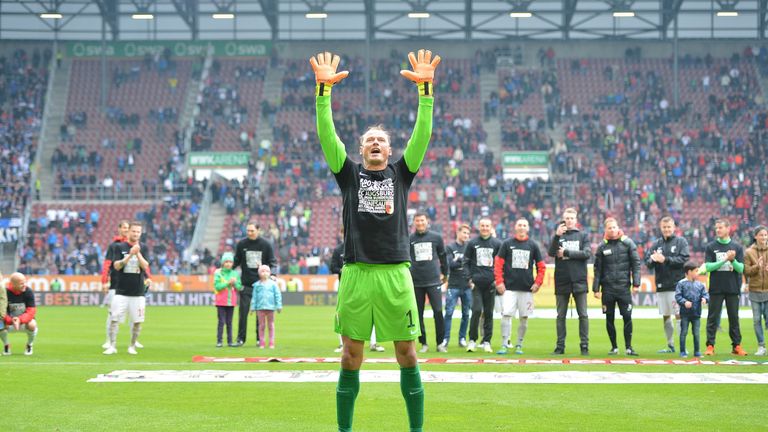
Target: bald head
18, 281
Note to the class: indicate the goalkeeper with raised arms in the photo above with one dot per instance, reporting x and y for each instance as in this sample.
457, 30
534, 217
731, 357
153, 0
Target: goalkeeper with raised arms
377, 286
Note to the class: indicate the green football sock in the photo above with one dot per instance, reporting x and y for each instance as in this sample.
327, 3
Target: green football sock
413, 393
346, 393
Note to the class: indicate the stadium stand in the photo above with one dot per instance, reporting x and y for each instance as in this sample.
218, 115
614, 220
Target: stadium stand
608, 123
229, 105
625, 149
125, 142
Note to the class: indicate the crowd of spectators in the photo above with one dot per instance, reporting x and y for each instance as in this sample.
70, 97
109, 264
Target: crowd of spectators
97, 155
629, 154
659, 160
633, 148
62, 241
23, 83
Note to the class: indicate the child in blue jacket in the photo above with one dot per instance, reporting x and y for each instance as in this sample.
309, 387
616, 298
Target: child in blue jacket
266, 300
690, 294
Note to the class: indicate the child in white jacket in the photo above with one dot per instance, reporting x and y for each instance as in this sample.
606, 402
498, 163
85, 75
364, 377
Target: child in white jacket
265, 301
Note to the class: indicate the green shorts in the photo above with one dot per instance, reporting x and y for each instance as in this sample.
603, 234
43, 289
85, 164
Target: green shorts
380, 295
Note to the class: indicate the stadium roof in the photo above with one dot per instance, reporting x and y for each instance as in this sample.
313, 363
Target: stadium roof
286, 20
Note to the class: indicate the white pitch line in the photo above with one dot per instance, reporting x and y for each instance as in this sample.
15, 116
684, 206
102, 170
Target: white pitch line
390, 376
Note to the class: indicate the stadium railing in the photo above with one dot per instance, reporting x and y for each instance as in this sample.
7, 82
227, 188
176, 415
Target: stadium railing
127, 192
202, 223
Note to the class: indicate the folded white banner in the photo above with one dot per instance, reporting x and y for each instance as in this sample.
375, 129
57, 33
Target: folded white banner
393, 376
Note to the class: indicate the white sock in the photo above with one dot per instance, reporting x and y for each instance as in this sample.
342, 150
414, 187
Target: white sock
521, 329
109, 322
135, 330
506, 329
113, 326
373, 335
31, 336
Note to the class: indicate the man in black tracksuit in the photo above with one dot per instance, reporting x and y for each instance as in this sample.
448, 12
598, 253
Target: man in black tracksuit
571, 250
428, 270
479, 258
666, 258
250, 253
617, 267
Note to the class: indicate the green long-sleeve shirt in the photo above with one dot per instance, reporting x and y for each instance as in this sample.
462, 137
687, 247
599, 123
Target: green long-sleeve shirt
335, 152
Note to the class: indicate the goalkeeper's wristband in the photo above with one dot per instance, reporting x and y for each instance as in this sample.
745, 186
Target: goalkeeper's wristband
425, 88
323, 89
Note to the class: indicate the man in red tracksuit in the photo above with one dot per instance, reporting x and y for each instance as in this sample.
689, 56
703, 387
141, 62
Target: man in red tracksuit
20, 314
513, 274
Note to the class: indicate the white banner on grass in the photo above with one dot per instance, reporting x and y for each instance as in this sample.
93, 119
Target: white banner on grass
393, 376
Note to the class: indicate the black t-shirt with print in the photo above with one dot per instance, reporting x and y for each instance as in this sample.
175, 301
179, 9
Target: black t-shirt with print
520, 258
375, 203
130, 280
725, 280
250, 255
19, 303
427, 259
479, 258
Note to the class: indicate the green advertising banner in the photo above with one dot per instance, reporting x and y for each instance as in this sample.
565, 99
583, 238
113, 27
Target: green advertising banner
178, 48
218, 159
525, 159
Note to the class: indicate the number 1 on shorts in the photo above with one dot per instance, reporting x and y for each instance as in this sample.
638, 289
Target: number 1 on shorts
410, 319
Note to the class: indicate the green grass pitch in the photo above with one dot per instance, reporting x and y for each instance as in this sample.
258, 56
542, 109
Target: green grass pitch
48, 391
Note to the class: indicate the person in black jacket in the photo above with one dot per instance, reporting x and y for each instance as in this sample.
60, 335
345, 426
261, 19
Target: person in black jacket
458, 286
478, 257
617, 266
428, 270
571, 250
250, 254
666, 258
